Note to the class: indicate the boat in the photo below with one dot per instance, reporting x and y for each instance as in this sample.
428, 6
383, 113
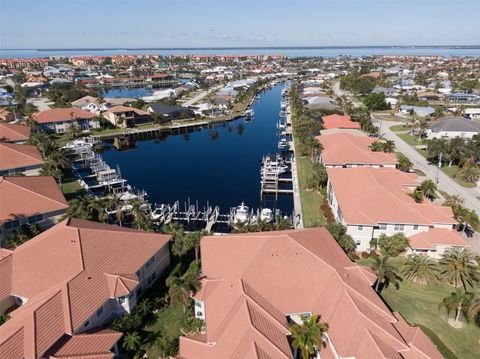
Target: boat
283, 144
80, 143
266, 215
241, 214
280, 125
249, 113
159, 213
272, 166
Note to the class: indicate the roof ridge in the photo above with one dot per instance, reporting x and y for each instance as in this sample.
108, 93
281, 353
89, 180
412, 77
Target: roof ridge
29, 190
20, 152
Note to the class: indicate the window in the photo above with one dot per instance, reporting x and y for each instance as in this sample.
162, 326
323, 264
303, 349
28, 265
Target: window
415, 227
382, 226
121, 300
360, 228
150, 262
138, 293
100, 312
399, 227
35, 219
198, 304
12, 224
151, 278
87, 323
358, 243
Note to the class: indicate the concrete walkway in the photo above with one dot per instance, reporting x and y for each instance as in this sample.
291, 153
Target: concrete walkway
445, 183
297, 202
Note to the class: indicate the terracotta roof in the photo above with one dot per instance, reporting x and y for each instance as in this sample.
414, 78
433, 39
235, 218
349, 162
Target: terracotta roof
381, 196
342, 149
62, 115
27, 196
17, 156
435, 237
64, 272
338, 121
14, 133
261, 278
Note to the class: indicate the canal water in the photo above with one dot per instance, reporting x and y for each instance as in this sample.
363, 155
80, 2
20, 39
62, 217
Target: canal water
219, 165
128, 92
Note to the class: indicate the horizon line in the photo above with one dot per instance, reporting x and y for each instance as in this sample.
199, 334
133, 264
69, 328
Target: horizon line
247, 47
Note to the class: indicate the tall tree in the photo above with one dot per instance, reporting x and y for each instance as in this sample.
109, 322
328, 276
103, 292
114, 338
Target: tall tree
458, 267
386, 273
456, 301
420, 269
308, 337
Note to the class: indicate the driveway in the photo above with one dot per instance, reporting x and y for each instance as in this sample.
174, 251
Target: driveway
200, 96
445, 183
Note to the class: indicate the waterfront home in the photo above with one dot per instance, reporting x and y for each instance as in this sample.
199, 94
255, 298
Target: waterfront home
320, 102
463, 97
20, 159
90, 104
422, 111
124, 116
6, 115
453, 126
256, 285
339, 121
429, 96
173, 112
63, 285
29, 200
387, 91
472, 113
10, 132
161, 80
435, 242
371, 202
58, 120
352, 150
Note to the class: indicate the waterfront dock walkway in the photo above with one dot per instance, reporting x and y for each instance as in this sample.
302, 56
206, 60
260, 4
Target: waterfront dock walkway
297, 203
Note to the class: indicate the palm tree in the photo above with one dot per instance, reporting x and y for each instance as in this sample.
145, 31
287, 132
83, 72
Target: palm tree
473, 309
428, 189
386, 273
453, 202
376, 146
132, 342
417, 195
73, 130
282, 223
420, 269
404, 164
309, 336
180, 288
96, 207
3, 318
471, 174
458, 267
140, 218
466, 217
457, 301
389, 146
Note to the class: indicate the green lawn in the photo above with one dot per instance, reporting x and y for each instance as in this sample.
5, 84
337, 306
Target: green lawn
419, 306
410, 139
70, 187
168, 323
400, 128
311, 200
453, 173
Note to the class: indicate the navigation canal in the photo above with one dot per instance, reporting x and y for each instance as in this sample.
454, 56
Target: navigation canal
219, 165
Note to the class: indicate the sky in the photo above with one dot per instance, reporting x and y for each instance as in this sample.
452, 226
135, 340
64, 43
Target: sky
236, 23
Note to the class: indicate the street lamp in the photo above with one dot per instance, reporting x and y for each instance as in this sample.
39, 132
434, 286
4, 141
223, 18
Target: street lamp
438, 168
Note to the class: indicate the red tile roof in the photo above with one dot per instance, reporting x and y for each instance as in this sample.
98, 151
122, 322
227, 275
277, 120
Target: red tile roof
62, 115
260, 278
64, 272
338, 121
435, 237
14, 133
381, 196
27, 196
17, 156
342, 149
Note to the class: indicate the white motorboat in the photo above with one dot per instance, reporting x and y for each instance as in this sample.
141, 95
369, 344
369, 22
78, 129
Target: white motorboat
283, 144
241, 214
77, 144
249, 113
277, 165
266, 215
159, 213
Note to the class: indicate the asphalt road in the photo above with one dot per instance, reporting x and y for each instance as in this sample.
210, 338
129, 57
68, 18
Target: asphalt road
445, 183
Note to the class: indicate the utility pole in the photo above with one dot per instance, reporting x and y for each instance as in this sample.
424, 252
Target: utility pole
438, 168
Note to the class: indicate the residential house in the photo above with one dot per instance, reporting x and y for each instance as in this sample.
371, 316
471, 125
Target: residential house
61, 287
14, 133
29, 200
436, 241
58, 120
429, 96
90, 104
472, 113
371, 202
453, 126
349, 150
174, 112
124, 116
256, 285
339, 121
16, 158
422, 111
463, 97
